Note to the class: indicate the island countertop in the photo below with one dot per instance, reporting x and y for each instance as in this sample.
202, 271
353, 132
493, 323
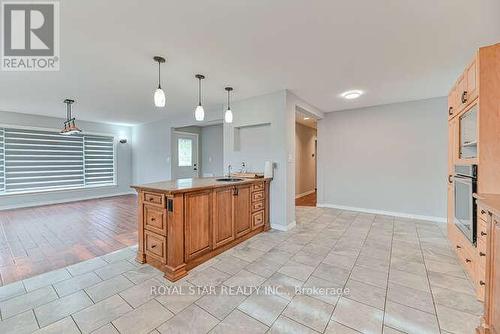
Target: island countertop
490, 201
190, 184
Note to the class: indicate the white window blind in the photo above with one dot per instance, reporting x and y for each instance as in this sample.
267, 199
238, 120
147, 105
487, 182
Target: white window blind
36, 160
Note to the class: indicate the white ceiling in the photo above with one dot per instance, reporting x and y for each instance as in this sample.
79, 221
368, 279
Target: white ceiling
394, 50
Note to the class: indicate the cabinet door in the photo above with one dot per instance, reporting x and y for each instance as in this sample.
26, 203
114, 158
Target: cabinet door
452, 99
197, 223
223, 216
461, 93
494, 297
471, 77
241, 204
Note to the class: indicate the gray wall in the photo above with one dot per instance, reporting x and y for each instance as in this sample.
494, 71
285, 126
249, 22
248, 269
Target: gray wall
257, 118
212, 153
305, 162
123, 161
389, 158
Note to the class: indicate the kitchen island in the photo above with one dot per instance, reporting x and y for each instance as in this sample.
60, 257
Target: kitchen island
183, 223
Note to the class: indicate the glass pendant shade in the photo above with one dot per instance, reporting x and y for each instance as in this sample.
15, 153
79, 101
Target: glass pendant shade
199, 113
228, 116
159, 97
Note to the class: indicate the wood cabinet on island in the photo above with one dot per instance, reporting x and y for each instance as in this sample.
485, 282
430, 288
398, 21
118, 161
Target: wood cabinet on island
183, 223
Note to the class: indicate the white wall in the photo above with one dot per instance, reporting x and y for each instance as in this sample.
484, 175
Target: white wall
261, 117
305, 161
212, 154
123, 161
388, 158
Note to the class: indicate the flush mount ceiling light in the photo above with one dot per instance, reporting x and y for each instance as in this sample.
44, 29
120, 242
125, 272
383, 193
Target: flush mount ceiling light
69, 125
199, 113
159, 96
228, 116
351, 94
306, 118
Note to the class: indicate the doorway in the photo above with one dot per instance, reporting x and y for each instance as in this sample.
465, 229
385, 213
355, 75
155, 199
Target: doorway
306, 144
185, 155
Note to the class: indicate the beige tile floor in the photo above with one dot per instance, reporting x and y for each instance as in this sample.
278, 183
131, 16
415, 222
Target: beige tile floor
398, 276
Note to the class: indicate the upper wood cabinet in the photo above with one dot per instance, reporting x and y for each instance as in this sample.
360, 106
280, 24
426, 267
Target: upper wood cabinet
452, 103
242, 209
470, 75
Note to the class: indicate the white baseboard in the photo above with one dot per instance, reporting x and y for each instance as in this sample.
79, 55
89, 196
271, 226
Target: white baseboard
69, 200
284, 228
382, 212
305, 194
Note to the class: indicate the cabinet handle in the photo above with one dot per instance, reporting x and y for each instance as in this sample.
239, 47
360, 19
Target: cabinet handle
235, 192
450, 181
467, 260
464, 96
450, 111
483, 234
153, 219
458, 247
483, 212
153, 246
482, 283
482, 254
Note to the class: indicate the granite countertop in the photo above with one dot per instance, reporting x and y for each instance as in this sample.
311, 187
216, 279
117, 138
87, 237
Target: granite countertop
491, 202
190, 184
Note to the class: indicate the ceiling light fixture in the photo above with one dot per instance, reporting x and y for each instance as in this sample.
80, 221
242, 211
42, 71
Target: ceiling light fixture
351, 94
306, 118
199, 113
159, 95
228, 116
69, 125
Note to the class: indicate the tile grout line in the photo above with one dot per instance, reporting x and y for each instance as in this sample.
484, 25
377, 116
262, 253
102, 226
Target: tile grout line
388, 274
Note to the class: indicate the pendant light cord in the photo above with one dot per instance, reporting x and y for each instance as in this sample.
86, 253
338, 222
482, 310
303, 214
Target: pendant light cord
228, 100
199, 91
159, 74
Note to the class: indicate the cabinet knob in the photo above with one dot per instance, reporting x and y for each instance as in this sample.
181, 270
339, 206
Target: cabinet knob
450, 111
483, 234
467, 260
464, 96
153, 219
483, 212
153, 246
482, 283
458, 247
482, 254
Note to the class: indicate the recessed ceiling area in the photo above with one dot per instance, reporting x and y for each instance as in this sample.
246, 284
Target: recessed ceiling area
392, 50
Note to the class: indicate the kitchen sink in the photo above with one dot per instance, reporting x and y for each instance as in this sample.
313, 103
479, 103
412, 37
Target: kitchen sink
229, 179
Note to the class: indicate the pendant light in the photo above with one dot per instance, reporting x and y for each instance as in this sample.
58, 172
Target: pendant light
199, 113
69, 125
159, 96
228, 116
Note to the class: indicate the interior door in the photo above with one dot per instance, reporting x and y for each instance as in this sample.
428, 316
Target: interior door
185, 155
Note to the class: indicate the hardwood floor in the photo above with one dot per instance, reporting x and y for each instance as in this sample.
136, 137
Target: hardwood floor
308, 200
41, 239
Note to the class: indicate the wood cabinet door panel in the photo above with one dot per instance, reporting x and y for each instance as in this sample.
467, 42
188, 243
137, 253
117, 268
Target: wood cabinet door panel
242, 207
471, 76
223, 216
494, 299
197, 223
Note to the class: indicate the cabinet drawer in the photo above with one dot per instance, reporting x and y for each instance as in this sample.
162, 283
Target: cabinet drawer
483, 214
257, 219
258, 206
468, 262
258, 186
156, 246
155, 219
257, 196
482, 230
153, 198
481, 252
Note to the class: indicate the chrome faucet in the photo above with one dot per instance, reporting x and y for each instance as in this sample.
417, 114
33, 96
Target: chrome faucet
229, 170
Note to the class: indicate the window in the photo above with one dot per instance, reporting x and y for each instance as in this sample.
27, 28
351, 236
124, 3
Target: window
185, 149
33, 160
